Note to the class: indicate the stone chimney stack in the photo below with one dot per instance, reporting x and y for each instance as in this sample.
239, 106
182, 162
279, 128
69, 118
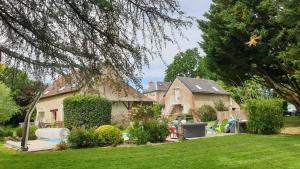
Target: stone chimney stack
150, 84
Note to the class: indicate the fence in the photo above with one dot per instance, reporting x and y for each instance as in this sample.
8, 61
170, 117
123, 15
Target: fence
221, 115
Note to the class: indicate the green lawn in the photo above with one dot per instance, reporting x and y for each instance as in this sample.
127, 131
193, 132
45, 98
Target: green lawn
292, 121
239, 151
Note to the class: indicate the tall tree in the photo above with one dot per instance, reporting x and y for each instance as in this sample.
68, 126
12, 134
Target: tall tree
249, 89
22, 90
245, 38
188, 64
87, 35
7, 104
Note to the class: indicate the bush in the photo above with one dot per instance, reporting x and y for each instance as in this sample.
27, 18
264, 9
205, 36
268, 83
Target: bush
223, 124
111, 134
82, 138
31, 136
138, 135
207, 113
2, 132
264, 116
61, 146
158, 132
87, 110
8, 133
141, 113
220, 106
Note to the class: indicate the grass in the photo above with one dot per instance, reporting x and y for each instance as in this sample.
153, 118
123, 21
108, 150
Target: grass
238, 151
292, 121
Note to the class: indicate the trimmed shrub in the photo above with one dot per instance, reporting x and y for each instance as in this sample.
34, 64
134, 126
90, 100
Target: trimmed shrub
220, 106
86, 110
82, 138
111, 134
207, 113
31, 135
158, 132
264, 116
138, 135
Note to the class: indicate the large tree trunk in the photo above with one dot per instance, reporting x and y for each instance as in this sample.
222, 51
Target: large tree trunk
293, 96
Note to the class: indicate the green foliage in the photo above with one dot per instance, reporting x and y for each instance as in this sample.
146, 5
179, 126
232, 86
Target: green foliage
249, 89
87, 110
158, 132
275, 59
264, 116
7, 105
141, 113
207, 113
31, 134
220, 106
23, 90
6, 131
111, 134
137, 134
82, 138
223, 124
146, 127
2, 132
188, 64
156, 107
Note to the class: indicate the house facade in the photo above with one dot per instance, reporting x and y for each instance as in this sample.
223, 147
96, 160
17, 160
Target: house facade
123, 98
187, 95
157, 90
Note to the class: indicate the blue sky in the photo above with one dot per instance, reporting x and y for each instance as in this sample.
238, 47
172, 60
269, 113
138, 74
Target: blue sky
195, 8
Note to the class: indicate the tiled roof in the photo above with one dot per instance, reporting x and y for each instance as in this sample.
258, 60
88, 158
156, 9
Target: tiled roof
202, 86
157, 86
60, 86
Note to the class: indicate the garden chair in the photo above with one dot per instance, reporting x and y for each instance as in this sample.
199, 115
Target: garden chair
173, 132
213, 129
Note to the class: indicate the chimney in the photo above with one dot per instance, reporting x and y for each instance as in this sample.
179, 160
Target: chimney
150, 84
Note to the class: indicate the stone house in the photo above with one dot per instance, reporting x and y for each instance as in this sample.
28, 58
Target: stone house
186, 95
157, 90
123, 98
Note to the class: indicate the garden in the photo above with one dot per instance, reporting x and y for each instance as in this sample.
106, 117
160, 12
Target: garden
238, 151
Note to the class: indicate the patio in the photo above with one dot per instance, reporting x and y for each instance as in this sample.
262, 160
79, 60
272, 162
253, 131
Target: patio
33, 145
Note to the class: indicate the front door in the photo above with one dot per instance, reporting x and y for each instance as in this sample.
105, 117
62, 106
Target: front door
54, 116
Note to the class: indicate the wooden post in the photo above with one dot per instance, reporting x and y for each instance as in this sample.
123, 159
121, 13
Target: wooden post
26, 126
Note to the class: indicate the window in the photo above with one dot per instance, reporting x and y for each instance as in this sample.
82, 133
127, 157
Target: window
177, 94
215, 88
62, 88
54, 114
198, 87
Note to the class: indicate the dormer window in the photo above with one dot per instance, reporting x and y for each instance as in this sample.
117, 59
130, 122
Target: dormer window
215, 88
198, 87
62, 88
74, 85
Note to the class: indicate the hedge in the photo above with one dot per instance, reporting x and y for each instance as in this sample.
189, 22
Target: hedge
86, 110
265, 116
